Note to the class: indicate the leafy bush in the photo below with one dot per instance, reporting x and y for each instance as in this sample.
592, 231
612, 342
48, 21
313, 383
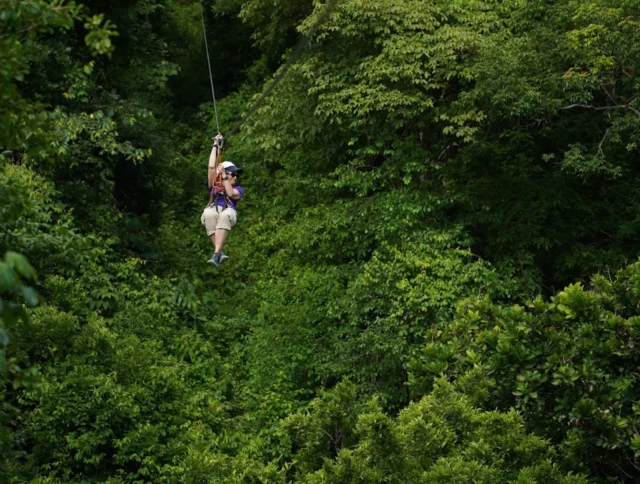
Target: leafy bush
36, 224
441, 438
320, 324
570, 365
16, 375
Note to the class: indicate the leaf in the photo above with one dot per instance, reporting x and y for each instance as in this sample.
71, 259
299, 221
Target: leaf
30, 295
8, 277
20, 264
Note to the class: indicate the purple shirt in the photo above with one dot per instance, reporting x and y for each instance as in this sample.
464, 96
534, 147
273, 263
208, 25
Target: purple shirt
219, 200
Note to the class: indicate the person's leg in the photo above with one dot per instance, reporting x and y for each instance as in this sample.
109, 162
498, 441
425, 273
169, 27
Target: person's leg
219, 238
209, 219
226, 221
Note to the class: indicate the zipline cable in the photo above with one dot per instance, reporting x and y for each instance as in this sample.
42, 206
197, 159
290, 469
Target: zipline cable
294, 55
206, 45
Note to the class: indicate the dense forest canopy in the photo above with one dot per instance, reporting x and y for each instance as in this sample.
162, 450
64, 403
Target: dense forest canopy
434, 277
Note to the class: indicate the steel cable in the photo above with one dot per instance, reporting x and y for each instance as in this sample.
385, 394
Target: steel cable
206, 45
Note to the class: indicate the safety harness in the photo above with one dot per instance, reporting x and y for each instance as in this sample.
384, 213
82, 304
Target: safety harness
214, 197
217, 189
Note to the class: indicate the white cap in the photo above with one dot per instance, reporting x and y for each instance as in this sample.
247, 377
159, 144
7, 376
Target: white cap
228, 166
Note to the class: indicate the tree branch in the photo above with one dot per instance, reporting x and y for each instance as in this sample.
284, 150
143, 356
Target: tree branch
603, 108
589, 106
606, 133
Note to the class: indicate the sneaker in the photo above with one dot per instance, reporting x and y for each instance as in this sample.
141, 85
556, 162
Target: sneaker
223, 257
215, 259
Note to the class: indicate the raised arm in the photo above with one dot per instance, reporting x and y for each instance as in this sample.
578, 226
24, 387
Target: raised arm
212, 165
217, 144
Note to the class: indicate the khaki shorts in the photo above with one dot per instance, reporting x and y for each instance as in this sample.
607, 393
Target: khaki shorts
214, 218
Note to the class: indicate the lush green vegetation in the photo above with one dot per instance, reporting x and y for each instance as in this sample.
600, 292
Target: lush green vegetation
435, 275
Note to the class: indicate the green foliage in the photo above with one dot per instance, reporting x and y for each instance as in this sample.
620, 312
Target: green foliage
23, 22
318, 325
441, 438
35, 223
418, 154
108, 385
15, 295
13, 269
569, 365
472, 104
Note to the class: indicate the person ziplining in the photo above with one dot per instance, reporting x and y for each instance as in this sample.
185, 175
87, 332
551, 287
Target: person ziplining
220, 214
